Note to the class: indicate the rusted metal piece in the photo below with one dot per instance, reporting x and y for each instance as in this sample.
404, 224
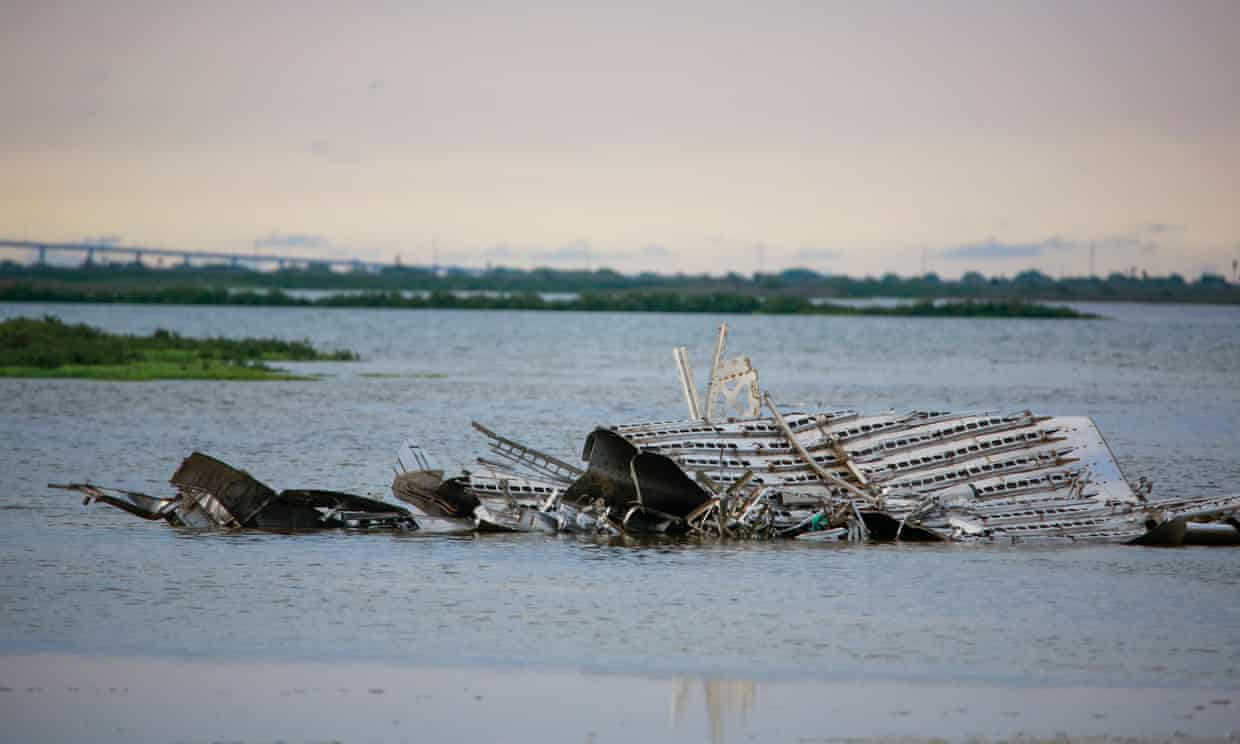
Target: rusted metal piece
134, 502
651, 491
435, 496
214, 495
747, 512
1226, 532
607, 474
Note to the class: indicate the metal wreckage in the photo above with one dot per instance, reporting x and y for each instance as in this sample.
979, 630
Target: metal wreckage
741, 467
212, 494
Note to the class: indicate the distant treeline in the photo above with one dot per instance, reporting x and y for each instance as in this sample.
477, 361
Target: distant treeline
631, 301
1028, 285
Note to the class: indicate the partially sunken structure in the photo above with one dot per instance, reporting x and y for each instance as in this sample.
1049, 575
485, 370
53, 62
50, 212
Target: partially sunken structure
740, 466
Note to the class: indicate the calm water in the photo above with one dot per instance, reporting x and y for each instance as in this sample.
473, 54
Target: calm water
1162, 382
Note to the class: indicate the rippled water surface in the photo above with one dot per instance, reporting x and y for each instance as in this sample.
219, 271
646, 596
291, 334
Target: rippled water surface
1162, 382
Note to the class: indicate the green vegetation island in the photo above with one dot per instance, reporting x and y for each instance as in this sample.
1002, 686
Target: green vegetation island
1027, 285
631, 301
49, 347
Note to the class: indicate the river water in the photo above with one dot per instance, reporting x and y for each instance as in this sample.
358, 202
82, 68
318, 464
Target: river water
1162, 382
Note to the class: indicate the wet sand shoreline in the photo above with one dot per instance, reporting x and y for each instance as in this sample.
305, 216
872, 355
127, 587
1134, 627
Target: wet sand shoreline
63, 697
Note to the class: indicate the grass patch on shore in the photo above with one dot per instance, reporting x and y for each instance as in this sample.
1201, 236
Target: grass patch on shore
49, 347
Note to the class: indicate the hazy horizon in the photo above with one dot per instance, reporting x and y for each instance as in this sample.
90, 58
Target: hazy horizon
688, 137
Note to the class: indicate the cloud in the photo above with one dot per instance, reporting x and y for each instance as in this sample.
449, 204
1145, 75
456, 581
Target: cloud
493, 253
332, 151
499, 252
583, 251
321, 147
817, 254
579, 251
997, 250
576, 253
992, 249
291, 240
561, 255
1159, 228
1126, 243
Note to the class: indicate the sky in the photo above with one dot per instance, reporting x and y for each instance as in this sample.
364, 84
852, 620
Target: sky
701, 136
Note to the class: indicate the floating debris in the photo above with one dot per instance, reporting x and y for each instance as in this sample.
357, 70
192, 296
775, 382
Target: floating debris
730, 471
213, 494
742, 467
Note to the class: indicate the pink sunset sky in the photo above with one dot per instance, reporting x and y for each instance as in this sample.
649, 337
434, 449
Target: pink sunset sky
855, 138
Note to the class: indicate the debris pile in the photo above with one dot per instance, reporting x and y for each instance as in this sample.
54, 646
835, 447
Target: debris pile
742, 467
728, 471
212, 494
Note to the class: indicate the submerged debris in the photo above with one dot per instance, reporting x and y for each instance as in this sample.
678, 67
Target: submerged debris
213, 494
729, 471
742, 467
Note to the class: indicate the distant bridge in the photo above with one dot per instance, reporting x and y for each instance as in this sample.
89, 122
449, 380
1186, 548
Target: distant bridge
88, 251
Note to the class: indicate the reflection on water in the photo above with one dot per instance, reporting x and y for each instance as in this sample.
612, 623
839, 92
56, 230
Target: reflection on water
723, 698
58, 698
